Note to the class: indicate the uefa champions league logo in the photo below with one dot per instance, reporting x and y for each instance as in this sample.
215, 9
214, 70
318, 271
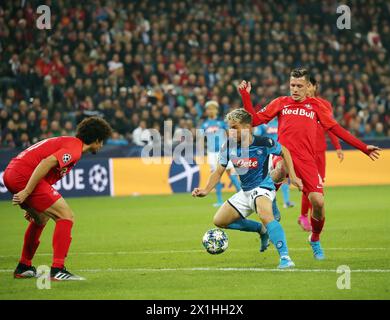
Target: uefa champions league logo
98, 178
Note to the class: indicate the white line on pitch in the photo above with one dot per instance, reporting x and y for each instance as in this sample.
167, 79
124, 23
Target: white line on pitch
218, 270
190, 251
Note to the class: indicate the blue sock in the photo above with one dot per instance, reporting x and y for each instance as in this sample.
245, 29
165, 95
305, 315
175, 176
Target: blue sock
235, 181
286, 192
276, 210
245, 225
218, 191
277, 237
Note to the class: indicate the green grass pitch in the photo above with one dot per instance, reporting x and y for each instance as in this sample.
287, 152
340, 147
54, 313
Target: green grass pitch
149, 247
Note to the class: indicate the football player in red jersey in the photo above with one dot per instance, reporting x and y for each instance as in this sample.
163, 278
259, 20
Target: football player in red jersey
303, 220
30, 176
298, 117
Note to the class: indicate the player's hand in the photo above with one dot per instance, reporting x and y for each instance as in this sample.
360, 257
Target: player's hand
340, 155
297, 182
28, 217
19, 197
199, 193
373, 152
245, 86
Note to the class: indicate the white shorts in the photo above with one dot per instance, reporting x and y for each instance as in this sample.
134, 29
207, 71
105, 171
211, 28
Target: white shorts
212, 160
245, 201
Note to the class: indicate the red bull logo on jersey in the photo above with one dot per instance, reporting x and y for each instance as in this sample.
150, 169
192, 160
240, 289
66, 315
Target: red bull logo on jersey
249, 163
298, 112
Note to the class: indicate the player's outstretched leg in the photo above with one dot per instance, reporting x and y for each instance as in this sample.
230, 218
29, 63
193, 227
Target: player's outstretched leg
63, 216
303, 219
218, 192
38, 221
275, 231
286, 196
317, 223
228, 217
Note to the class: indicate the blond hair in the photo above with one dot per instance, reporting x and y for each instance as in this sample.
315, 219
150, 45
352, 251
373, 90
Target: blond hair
240, 116
212, 104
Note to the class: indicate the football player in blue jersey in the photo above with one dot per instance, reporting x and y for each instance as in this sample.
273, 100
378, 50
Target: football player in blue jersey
249, 155
271, 130
215, 132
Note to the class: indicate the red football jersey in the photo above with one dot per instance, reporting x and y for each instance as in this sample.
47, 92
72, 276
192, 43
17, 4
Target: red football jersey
298, 123
67, 150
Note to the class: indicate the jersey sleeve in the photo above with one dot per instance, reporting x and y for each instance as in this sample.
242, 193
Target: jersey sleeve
325, 116
272, 146
66, 156
270, 111
333, 139
223, 157
276, 149
265, 115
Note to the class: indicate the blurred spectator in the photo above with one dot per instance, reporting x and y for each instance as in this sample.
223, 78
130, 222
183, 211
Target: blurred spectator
140, 63
141, 135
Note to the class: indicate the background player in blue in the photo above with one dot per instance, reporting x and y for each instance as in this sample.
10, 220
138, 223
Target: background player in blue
249, 155
215, 131
271, 130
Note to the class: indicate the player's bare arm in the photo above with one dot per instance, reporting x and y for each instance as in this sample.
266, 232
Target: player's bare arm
290, 167
211, 182
40, 171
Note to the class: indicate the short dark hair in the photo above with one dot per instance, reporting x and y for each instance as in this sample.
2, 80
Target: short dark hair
300, 72
313, 81
93, 128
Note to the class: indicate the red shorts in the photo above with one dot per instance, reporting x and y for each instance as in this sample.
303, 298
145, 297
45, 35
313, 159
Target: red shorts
307, 171
321, 163
43, 196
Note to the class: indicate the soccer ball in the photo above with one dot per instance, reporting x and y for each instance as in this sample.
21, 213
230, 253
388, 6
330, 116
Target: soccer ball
215, 241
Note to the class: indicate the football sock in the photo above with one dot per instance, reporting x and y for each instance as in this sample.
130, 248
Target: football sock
305, 205
277, 237
235, 181
61, 242
316, 226
276, 210
218, 191
286, 192
247, 225
31, 242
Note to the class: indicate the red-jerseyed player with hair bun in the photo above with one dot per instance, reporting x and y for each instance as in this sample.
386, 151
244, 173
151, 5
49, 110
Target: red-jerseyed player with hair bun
321, 146
30, 176
298, 117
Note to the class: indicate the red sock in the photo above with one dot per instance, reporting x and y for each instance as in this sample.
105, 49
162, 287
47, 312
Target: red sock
31, 242
305, 205
316, 227
61, 242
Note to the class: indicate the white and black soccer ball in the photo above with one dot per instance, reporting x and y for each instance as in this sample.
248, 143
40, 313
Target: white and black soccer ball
98, 178
215, 241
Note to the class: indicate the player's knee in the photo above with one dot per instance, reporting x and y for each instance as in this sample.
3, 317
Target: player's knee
266, 217
317, 204
219, 222
65, 214
41, 220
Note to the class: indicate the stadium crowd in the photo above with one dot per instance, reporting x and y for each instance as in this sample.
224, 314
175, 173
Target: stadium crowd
140, 63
